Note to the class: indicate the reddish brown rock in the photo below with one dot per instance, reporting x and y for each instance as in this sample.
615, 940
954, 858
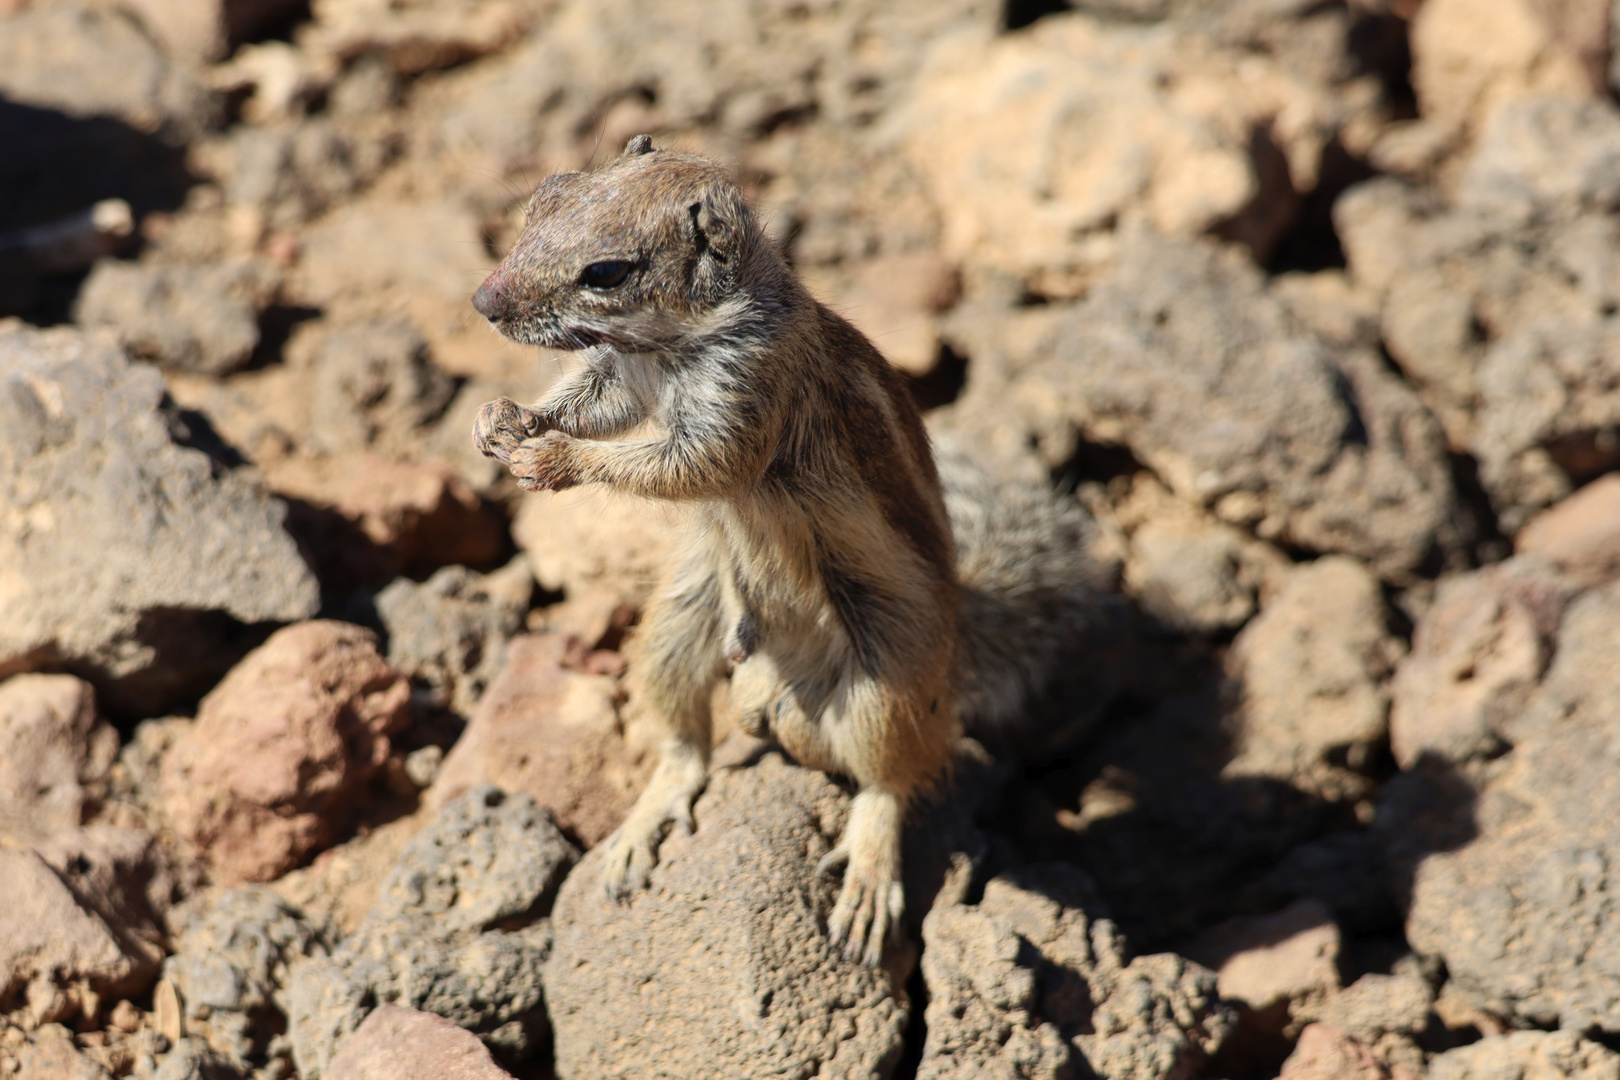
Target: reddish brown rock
554, 733
54, 752
393, 1042
269, 772
1329, 1053
1581, 534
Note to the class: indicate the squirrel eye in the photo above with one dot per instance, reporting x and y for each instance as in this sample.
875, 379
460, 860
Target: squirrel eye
605, 275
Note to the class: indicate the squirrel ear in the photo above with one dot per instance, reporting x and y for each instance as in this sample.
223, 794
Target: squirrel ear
717, 227
640, 144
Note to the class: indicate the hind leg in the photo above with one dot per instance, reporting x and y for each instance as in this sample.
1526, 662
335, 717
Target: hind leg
678, 659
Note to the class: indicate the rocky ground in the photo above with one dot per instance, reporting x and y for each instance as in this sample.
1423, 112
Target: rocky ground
309, 720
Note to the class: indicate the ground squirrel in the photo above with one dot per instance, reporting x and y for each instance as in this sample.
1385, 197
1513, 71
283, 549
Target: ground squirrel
819, 565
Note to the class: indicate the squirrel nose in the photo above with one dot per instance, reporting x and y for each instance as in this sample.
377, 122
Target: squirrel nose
492, 303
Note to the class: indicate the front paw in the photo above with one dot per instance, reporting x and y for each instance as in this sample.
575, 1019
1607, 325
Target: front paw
549, 463
502, 427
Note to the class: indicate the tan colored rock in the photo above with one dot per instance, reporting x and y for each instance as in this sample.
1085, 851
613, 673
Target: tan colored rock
393, 1042
1377, 1004
1477, 654
893, 299
413, 37
1309, 672
280, 750
1581, 533
555, 734
590, 536
1287, 959
341, 883
1528, 1055
410, 516
1326, 1052
54, 753
52, 1055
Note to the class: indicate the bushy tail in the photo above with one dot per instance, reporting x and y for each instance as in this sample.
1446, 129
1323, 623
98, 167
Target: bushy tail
1030, 590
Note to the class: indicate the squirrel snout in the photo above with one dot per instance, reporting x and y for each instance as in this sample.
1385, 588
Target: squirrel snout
491, 300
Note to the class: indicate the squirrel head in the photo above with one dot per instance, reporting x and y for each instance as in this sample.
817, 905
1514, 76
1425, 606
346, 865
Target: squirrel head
640, 254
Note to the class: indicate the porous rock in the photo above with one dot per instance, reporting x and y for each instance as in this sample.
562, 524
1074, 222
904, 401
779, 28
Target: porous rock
1377, 1004
1477, 654
123, 554
1182, 356
54, 752
230, 968
282, 748
374, 379
1521, 902
450, 631
731, 932
554, 733
458, 930
187, 318
1528, 1055
394, 1042
1325, 1052
1309, 674
1028, 982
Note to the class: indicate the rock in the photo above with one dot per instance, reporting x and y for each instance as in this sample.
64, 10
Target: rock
1376, 1004
188, 318
122, 554
52, 1055
370, 518
394, 1042
554, 734
230, 967
1036, 145
458, 930
286, 174
1581, 534
341, 883
1308, 673
1477, 654
1181, 356
1026, 983
208, 29
450, 631
1470, 56
893, 299
415, 37
54, 753
1284, 964
591, 536
57, 959
1528, 1055
90, 62
1346, 871
374, 380
282, 749
1329, 1053
731, 934
1519, 901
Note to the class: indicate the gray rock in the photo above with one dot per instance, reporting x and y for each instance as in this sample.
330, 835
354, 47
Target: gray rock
1376, 1004
1525, 912
230, 966
721, 967
1528, 1055
458, 930
450, 631
186, 318
123, 555
1025, 983
1182, 355
373, 377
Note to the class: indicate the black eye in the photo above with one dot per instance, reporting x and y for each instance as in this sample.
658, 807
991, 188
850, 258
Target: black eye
606, 275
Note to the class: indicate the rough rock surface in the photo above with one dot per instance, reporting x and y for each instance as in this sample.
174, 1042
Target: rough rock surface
1026, 983
1181, 356
1528, 1055
54, 753
282, 749
450, 631
1477, 654
458, 930
230, 968
1286, 962
1329, 1053
122, 553
554, 734
593, 537
1581, 534
394, 1042
731, 932
1309, 674
1525, 915
192, 318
